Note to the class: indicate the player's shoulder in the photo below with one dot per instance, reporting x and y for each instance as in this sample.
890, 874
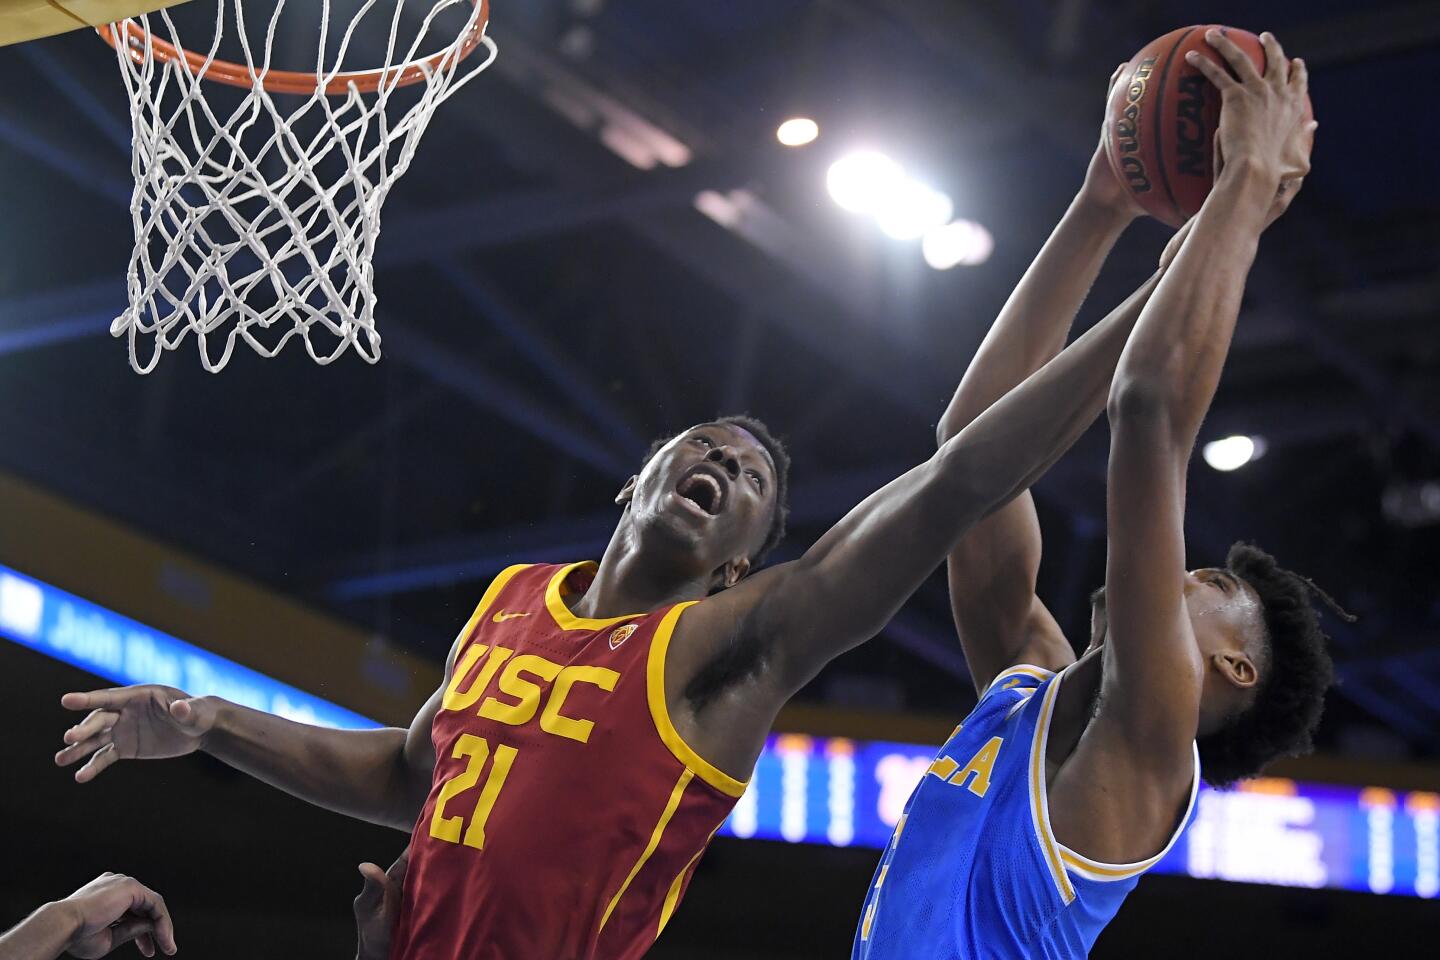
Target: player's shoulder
527, 578
1022, 676
1005, 700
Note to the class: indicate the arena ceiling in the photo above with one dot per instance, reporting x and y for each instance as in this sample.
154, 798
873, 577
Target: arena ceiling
549, 306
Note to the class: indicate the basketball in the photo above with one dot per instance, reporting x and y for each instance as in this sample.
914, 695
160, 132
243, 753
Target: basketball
1162, 118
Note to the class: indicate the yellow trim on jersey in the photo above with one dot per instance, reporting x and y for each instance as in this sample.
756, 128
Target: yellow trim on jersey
1039, 811
660, 711
1025, 694
672, 896
1074, 862
1105, 872
670, 807
562, 614
1021, 669
488, 598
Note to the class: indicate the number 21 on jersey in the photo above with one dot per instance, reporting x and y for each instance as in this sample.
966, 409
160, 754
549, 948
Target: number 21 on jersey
477, 750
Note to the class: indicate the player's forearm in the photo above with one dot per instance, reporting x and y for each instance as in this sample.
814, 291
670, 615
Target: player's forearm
1035, 322
40, 936
1093, 357
360, 773
897, 537
1171, 365
1013, 443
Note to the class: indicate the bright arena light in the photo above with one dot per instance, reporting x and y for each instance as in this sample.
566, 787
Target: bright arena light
912, 209
797, 131
1232, 453
870, 182
863, 182
958, 242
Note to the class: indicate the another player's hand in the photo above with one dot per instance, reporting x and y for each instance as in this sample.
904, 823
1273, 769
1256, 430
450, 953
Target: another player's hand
112, 910
145, 722
378, 907
1264, 120
1102, 188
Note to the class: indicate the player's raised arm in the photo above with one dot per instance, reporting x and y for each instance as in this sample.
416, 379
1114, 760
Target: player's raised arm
992, 570
1163, 387
803, 614
380, 776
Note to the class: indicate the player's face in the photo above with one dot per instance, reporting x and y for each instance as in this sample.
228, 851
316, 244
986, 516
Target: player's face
713, 488
1224, 610
1225, 613
1227, 619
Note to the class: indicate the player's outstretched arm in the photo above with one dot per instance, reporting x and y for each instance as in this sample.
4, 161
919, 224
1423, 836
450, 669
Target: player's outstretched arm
1149, 707
359, 773
993, 569
802, 614
379, 776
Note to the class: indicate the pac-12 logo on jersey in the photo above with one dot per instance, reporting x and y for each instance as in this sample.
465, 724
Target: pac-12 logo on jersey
621, 634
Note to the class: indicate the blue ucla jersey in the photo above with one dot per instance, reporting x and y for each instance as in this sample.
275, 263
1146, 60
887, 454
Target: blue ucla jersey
972, 870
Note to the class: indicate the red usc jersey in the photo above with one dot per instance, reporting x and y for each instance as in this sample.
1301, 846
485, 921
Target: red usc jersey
566, 814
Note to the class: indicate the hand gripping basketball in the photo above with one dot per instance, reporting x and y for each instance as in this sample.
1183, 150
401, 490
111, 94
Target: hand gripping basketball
144, 722
1102, 188
1163, 117
1264, 119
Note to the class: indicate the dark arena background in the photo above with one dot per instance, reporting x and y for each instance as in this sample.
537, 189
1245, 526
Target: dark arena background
601, 241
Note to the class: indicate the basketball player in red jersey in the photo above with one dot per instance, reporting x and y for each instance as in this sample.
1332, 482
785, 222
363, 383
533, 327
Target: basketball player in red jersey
597, 721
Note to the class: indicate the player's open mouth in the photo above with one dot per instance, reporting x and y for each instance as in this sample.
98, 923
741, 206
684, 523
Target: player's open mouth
705, 487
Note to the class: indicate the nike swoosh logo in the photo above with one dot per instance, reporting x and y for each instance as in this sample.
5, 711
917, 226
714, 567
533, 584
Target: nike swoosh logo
502, 616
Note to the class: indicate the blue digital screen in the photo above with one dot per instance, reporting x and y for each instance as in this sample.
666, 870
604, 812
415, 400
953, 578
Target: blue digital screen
851, 793
104, 643
831, 790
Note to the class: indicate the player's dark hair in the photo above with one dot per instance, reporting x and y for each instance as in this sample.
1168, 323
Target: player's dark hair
779, 456
1295, 674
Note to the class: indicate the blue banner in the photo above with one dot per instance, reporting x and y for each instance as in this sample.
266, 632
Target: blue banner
122, 651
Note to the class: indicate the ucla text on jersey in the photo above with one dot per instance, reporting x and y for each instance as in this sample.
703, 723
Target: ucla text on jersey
973, 869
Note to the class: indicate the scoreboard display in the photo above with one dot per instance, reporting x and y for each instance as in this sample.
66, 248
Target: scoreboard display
835, 791
846, 792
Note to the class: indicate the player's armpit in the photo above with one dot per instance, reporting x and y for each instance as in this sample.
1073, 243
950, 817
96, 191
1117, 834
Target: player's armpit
1000, 620
416, 767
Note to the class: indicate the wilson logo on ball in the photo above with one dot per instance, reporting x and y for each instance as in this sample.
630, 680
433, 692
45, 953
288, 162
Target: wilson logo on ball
1126, 141
1161, 121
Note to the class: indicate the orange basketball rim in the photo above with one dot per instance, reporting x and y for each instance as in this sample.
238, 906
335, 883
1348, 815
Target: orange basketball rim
293, 81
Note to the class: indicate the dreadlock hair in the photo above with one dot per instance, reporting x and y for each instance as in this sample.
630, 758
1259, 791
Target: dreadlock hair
1296, 672
779, 456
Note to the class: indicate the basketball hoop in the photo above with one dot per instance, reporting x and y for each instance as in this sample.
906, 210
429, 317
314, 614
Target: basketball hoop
258, 220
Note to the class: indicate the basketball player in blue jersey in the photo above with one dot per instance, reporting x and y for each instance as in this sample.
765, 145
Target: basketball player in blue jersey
1071, 777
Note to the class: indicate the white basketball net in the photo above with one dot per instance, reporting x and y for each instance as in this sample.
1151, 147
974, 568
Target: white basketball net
239, 233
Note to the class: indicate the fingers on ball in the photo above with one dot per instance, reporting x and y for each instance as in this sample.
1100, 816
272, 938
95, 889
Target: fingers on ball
1243, 66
